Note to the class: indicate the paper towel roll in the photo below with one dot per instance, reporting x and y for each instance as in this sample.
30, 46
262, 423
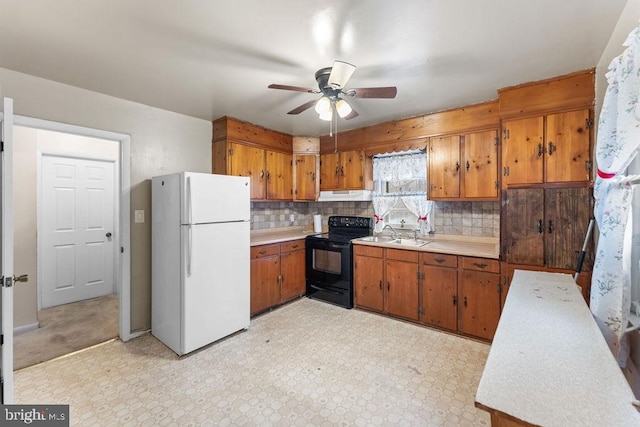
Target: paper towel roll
317, 223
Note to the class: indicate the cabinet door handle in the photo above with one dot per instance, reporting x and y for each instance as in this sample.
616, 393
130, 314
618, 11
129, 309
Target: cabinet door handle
457, 166
540, 149
464, 301
388, 286
439, 260
455, 300
380, 284
313, 176
550, 226
261, 174
262, 252
342, 171
540, 226
294, 246
268, 175
552, 148
480, 265
467, 166
337, 170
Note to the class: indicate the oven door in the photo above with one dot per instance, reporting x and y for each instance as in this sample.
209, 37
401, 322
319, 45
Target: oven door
328, 266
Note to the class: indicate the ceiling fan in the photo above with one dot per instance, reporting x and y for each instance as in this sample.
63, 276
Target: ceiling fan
331, 83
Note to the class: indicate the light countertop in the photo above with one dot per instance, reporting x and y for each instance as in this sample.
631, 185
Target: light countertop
279, 235
549, 363
482, 247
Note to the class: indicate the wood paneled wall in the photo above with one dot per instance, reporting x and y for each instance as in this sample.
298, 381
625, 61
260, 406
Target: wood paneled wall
228, 128
412, 132
571, 91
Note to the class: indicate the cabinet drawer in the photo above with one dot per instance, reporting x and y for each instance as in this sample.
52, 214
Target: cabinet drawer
481, 264
265, 250
441, 260
292, 246
402, 255
367, 251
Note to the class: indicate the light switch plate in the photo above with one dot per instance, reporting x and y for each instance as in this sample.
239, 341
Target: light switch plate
139, 216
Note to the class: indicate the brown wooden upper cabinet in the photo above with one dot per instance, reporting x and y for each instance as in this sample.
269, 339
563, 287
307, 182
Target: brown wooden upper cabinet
464, 167
549, 148
305, 175
270, 171
346, 170
244, 149
547, 227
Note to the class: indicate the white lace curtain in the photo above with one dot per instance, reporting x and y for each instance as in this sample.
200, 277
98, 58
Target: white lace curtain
399, 167
617, 145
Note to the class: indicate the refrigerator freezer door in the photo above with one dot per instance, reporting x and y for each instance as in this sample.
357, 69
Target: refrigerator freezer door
215, 295
214, 198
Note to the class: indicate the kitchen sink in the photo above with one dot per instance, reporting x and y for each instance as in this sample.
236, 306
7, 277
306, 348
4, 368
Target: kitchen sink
410, 242
378, 239
400, 241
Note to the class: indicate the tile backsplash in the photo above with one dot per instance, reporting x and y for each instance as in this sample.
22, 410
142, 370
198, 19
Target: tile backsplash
454, 218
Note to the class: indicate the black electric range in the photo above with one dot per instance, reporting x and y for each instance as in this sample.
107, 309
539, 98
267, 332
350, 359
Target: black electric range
329, 257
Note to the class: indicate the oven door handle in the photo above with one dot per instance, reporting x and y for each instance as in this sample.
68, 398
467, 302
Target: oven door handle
318, 288
335, 246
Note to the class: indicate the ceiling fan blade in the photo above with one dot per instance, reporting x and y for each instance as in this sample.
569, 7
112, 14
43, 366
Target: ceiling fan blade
352, 115
373, 92
303, 107
340, 73
294, 88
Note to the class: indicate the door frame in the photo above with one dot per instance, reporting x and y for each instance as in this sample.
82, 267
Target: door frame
122, 263
63, 154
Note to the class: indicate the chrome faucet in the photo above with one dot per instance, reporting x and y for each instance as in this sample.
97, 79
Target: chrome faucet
395, 233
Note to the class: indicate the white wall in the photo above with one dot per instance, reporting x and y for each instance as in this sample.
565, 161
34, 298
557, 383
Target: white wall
627, 22
161, 142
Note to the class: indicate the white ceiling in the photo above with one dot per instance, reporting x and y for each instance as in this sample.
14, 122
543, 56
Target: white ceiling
209, 58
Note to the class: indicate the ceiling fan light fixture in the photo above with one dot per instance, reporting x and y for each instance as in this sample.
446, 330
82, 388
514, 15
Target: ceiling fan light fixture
323, 105
343, 108
326, 116
340, 73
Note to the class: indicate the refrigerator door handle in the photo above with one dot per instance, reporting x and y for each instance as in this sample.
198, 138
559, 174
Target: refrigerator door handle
189, 212
189, 250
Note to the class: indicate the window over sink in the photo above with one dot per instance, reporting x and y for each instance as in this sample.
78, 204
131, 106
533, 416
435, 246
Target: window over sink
400, 191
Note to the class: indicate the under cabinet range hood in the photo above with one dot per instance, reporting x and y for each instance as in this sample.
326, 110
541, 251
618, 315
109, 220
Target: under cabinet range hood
345, 196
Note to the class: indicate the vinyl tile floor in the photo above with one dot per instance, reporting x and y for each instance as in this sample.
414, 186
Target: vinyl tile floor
305, 364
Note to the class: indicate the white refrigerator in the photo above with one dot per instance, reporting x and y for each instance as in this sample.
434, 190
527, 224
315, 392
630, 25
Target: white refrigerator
200, 258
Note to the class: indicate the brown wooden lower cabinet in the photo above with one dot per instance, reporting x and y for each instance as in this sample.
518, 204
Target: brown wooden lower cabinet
440, 290
479, 294
368, 277
451, 292
277, 274
402, 283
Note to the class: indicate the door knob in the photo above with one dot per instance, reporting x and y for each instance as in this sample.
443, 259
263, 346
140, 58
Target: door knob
108, 235
21, 278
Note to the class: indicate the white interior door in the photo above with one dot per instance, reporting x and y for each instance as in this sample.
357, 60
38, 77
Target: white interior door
6, 256
77, 214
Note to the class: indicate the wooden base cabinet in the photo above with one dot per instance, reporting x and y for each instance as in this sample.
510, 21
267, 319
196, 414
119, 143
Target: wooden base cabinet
368, 277
439, 290
277, 274
480, 297
456, 293
402, 281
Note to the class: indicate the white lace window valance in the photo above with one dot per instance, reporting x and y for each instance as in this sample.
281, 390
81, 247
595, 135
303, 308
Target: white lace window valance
401, 185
